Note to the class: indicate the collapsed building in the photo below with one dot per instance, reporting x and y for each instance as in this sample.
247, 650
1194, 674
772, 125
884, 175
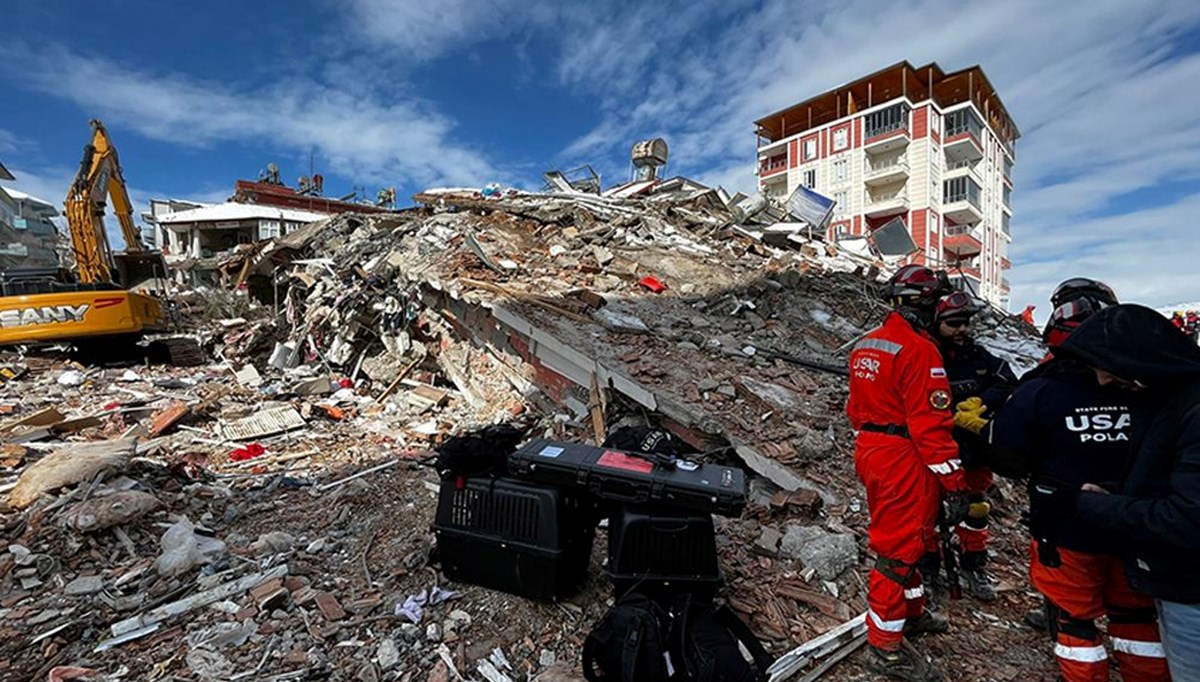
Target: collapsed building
378, 336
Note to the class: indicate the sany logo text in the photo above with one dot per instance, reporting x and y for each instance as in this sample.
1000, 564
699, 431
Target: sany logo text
23, 317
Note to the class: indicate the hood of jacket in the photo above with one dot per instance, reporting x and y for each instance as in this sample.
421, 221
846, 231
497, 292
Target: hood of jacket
1135, 343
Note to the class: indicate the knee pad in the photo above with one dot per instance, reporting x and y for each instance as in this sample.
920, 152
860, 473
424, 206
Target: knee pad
1061, 622
1131, 615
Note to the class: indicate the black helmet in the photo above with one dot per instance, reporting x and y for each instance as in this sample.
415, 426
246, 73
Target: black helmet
1082, 287
956, 305
916, 286
1067, 317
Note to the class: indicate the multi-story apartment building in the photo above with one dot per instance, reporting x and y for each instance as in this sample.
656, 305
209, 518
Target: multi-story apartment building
934, 149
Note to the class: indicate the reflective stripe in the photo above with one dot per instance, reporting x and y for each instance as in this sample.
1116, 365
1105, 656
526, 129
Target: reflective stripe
889, 347
918, 591
1082, 654
886, 625
1139, 648
947, 467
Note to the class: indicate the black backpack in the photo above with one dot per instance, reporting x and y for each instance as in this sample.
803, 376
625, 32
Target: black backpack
629, 644
649, 440
483, 452
695, 641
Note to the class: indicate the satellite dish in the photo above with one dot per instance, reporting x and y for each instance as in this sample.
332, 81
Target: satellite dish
893, 239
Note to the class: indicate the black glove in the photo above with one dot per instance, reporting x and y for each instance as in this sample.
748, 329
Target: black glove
957, 506
1053, 500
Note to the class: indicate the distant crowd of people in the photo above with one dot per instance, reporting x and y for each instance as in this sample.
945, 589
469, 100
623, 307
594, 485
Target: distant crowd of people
1188, 322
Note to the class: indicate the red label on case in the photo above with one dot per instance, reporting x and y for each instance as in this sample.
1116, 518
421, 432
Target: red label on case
619, 460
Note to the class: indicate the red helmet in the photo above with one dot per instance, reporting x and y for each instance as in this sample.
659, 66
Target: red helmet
916, 286
957, 304
1067, 317
1082, 287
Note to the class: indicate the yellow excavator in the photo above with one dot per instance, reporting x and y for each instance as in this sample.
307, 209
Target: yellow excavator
111, 301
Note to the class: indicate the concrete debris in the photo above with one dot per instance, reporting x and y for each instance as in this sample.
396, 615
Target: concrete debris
157, 504
829, 554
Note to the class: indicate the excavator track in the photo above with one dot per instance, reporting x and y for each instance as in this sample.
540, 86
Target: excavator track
179, 351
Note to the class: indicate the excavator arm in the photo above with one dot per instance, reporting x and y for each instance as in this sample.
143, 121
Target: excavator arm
99, 177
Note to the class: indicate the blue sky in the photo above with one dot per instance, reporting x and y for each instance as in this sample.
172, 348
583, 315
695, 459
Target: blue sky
459, 92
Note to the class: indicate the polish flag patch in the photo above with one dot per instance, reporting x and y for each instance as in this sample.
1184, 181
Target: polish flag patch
937, 372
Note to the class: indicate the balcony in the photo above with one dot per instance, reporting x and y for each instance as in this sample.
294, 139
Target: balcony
960, 200
1005, 264
887, 138
961, 241
773, 164
886, 129
963, 131
885, 171
962, 147
962, 167
1004, 284
887, 203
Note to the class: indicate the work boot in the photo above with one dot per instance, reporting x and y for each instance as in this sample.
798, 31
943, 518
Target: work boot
927, 623
937, 592
905, 663
1036, 618
979, 584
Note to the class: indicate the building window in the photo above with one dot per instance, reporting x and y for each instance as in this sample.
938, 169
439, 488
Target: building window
840, 168
963, 121
962, 188
841, 231
810, 149
268, 229
841, 205
841, 139
810, 179
886, 120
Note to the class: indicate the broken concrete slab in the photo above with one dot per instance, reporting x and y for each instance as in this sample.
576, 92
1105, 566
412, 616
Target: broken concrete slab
829, 554
84, 585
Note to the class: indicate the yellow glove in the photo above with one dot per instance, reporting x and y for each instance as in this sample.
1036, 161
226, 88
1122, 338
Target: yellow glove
979, 510
969, 415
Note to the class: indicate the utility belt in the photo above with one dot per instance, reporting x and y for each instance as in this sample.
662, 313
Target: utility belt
890, 429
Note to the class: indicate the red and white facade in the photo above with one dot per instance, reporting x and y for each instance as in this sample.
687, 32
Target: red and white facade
933, 149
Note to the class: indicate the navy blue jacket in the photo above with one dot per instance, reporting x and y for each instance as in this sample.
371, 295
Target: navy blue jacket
1155, 513
1068, 430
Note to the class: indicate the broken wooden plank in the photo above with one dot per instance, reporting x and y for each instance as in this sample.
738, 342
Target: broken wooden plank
168, 417
400, 377
44, 417
796, 659
838, 656
216, 594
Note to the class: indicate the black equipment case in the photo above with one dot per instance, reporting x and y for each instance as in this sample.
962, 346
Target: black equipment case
518, 537
635, 478
655, 551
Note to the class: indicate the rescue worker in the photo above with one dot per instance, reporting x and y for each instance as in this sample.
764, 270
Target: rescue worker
906, 458
1155, 509
973, 372
1063, 428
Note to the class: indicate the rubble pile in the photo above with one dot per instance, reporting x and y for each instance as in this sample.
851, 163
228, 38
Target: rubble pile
267, 516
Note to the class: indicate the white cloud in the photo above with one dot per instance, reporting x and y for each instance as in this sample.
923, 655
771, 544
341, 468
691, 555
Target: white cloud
359, 135
420, 30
